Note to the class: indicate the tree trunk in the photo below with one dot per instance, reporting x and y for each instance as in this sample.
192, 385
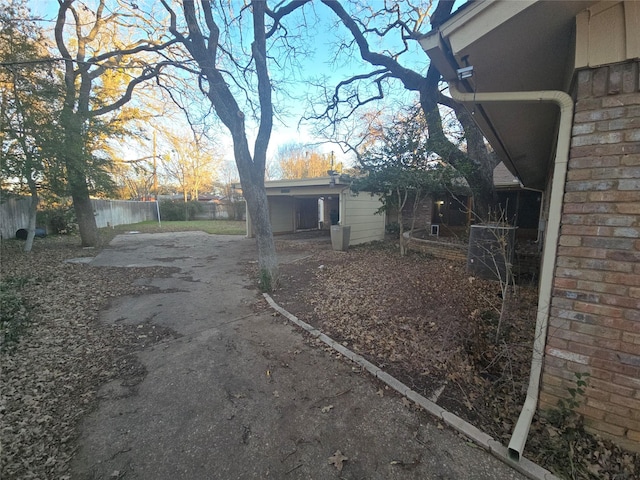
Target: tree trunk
258, 206
204, 50
402, 200
83, 209
484, 161
33, 210
74, 161
86, 219
477, 164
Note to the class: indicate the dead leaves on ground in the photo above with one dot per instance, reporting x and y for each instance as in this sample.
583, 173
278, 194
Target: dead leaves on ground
337, 460
429, 324
52, 376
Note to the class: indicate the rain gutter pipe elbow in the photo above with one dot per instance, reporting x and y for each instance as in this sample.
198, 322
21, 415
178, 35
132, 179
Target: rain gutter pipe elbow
565, 103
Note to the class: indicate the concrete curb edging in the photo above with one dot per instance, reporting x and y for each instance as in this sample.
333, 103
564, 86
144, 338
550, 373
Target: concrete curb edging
480, 438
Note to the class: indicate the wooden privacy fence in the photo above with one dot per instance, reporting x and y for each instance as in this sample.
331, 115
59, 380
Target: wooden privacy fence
14, 213
110, 213
221, 211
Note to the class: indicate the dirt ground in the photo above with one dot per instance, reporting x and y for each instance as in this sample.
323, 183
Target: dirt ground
100, 342
437, 329
423, 319
156, 358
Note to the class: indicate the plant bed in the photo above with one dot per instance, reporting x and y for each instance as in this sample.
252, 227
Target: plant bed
430, 324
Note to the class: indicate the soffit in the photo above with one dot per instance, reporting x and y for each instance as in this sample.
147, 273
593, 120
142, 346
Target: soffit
513, 46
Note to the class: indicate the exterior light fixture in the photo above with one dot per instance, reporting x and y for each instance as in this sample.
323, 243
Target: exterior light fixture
465, 72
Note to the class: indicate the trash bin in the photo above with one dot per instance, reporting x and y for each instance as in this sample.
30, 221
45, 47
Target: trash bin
340, 236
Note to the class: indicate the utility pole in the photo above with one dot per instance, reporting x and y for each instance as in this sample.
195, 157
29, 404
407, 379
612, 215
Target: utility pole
155, 168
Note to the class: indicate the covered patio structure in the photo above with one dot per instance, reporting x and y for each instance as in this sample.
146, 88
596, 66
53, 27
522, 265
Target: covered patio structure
316, 203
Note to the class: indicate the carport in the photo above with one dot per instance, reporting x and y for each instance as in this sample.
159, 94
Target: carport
311, 203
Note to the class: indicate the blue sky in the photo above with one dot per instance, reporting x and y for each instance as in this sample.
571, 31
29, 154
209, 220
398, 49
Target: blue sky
320, 61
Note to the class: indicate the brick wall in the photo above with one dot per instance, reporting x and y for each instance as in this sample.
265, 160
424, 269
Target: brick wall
423, 213
594, 324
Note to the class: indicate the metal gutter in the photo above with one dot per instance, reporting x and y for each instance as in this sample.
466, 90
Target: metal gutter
565, 103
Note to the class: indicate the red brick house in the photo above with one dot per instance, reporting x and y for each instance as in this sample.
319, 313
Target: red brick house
555, 89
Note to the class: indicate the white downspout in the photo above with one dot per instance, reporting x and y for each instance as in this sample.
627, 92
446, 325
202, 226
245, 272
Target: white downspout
565, 102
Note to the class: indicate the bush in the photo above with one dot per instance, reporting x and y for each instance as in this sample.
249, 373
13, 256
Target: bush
13, 314
238, 210
178, 210
393, 229
59, 219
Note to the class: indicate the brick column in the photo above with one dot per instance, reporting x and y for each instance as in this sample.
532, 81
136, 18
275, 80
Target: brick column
594, 324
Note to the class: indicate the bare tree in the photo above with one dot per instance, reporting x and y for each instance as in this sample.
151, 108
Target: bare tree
405, 22
227, 76
191, 163
92, 43
297, 160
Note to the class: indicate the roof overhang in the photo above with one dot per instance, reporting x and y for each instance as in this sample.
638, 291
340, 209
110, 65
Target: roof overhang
528, 45
319, 186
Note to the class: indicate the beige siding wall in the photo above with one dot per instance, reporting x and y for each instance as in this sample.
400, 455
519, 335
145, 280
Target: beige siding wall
608, 33
281, 211
360, 213
594, 324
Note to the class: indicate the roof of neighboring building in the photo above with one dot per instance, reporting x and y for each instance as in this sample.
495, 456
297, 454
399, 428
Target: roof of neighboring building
503, 178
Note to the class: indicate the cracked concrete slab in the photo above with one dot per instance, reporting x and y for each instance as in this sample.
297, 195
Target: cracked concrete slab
240, 394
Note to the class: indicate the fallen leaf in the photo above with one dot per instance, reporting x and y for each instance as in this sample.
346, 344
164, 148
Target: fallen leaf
380, 393
326, 409
338, 459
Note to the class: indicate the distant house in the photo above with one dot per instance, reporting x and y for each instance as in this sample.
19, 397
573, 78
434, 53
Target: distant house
520, 206
452, 213
555, 89
315, 203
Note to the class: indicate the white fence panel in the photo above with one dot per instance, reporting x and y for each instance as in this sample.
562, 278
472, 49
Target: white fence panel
14, 213
110, 213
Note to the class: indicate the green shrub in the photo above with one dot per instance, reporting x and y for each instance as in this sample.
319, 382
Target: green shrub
13, 313
238, 211
564, 434
393, 229
178, 210
59, 219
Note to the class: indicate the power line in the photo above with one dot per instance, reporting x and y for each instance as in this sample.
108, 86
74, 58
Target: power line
79, 62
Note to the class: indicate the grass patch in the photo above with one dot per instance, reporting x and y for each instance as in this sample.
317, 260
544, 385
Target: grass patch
213, 227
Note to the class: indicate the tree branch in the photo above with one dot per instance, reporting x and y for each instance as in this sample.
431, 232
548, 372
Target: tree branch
410, 79
282, 12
